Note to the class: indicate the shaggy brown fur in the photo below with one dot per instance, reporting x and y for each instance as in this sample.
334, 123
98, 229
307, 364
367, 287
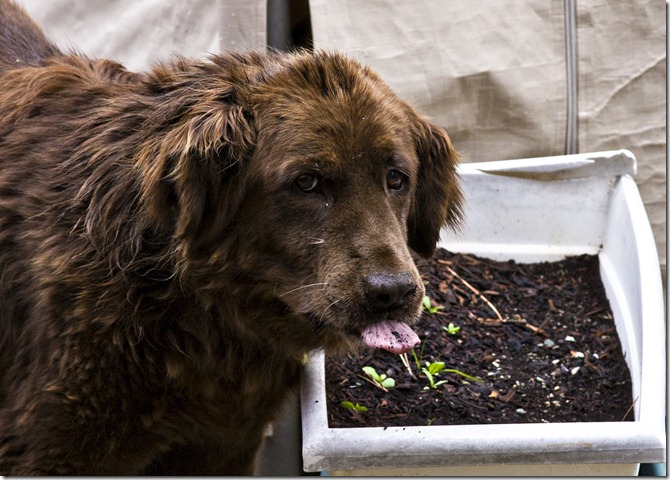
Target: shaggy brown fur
173, 242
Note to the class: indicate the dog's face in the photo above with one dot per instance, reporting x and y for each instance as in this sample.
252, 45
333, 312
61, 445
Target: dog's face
337, 181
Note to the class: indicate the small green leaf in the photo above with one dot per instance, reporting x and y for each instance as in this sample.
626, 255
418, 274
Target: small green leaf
428, 306
426, 302
428, 375
388, 383
436, 367
451, 329
382, 380
439, 367
371, 372
354, 408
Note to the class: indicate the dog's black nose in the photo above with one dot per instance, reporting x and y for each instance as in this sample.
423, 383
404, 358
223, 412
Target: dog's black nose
388, 291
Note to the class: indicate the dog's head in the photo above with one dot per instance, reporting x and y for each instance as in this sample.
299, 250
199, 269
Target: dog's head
305, 180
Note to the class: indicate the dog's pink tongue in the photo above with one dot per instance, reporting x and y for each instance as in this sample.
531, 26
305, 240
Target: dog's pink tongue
396, 337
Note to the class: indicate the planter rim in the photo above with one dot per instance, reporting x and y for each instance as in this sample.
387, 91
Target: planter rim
541, 443
563, 167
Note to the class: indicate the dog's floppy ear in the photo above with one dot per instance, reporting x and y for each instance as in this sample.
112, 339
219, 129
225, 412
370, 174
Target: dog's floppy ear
194, 167
438, 199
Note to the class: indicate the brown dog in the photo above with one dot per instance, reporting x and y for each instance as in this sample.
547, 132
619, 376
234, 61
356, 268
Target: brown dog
173, 242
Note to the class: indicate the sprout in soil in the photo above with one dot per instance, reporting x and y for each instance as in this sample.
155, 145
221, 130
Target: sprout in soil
428, 306
380, 380
451, 329
432, 370
357, 407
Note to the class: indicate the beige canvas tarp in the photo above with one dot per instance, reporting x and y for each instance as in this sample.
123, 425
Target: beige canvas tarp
494, 73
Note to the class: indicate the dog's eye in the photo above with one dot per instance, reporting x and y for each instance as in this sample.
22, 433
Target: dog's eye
395, 179
307, 183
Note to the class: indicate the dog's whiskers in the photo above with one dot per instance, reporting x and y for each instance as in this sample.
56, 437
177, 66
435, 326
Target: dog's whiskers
302, 287
326, 309
316, 241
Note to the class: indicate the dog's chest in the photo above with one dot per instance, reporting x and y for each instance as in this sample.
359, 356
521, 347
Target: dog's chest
247, 396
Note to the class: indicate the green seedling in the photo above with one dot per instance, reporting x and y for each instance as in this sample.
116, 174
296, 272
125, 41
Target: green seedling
451, 329
382, 381
354, 407
433, 369
428, 306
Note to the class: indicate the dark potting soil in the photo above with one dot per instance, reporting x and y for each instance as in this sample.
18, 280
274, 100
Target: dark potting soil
540, 337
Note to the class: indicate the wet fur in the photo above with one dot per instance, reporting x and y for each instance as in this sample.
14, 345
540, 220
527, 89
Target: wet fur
161, 277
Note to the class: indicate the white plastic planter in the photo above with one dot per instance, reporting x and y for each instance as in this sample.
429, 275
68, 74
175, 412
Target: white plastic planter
532, 210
